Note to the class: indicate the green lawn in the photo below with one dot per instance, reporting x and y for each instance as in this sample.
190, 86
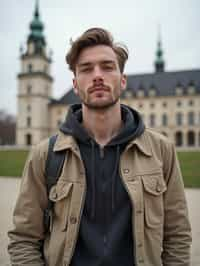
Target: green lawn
190, 166
12, 163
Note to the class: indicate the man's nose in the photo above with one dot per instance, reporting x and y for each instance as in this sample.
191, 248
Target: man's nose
97, 74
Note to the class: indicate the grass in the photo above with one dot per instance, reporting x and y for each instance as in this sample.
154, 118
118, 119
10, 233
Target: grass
190, 167
12, 163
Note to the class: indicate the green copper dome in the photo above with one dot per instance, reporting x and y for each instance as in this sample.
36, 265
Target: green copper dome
36, 27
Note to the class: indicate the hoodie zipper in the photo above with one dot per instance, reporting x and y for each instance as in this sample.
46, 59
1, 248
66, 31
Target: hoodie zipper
133, 227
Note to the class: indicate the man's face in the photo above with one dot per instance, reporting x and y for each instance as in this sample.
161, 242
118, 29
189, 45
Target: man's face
98, 80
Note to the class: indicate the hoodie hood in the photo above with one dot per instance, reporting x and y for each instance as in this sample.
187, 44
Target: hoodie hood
133, 126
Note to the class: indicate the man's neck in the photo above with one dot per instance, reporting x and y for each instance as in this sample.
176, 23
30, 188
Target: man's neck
102, 125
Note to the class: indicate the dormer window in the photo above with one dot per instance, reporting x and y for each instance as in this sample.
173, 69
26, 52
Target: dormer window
191, 88
152, 91
179, 89
128, 94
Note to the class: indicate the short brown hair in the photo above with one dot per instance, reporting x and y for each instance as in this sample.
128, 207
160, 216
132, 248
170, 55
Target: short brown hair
93, 37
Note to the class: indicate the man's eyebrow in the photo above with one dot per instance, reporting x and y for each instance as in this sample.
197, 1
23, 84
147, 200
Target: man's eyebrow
107, 62
84, 64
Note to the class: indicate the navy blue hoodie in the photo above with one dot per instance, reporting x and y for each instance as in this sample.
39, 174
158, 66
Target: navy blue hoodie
105, 236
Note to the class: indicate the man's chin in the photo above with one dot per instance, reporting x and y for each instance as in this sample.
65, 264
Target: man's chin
100, 105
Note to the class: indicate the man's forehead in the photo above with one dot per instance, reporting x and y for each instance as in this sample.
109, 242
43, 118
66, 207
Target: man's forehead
97, 53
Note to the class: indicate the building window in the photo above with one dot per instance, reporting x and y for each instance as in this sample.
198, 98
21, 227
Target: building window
30, 68
179, 103
28, 121
179, 138
152, 92
164, 133
191, 118
140, 93
128, 94
164, 120
191, 103
164, 104
28, 107
152, 120
179, 119
140, 105
28, 139
59, 123
191, 138
29, 88
152, 105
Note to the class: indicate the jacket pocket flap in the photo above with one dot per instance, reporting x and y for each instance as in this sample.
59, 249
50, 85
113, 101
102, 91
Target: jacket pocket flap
154, 184
59, 191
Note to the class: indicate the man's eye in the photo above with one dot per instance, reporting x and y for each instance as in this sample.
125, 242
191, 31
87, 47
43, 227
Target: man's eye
87, 69
109, 68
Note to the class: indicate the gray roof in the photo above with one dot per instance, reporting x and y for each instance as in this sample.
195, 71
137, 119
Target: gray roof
165, 84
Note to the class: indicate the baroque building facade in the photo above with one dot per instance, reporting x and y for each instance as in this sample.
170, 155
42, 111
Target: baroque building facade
167, 101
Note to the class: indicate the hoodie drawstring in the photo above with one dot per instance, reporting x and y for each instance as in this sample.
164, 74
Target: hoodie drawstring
93, 181
114, 176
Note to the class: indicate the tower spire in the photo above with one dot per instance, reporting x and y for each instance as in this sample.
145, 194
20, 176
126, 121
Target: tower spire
36, 31
159, 61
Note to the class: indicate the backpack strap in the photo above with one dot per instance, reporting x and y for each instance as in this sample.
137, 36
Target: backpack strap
54, 164
53, 169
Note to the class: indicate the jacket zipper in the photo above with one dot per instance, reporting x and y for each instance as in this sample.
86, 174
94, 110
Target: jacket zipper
133, 209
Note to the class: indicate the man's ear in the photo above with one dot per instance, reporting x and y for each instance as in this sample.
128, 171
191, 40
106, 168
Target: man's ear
75, 86
123, 82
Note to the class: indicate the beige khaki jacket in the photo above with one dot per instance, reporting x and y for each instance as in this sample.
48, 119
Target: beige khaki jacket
150, 173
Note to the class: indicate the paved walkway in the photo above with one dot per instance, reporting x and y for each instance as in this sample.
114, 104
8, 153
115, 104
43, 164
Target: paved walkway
9, 188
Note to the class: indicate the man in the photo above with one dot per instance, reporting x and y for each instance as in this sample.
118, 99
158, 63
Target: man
120, 198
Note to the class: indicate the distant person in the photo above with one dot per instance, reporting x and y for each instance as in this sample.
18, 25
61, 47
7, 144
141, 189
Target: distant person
119, 200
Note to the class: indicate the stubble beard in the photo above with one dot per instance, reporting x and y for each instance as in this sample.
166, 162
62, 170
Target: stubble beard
85, 99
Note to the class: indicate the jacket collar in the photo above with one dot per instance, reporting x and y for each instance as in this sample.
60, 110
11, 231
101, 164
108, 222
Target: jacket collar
64, 142
143, 144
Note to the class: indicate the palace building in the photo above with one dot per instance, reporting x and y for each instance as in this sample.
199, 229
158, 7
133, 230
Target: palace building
168, 101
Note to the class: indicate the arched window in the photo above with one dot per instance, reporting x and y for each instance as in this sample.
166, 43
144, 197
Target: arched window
191, 138
152, 120
179, 138
164, 120
191, 118
179, 119
28, 139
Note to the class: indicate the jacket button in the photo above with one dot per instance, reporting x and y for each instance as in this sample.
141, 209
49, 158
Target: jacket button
158, 189
73, 220
126, 171
141, 260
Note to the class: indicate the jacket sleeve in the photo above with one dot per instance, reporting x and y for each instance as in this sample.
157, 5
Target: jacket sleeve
26, 238
177, 230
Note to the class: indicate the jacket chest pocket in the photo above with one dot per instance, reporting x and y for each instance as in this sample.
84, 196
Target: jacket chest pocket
60, 194
153, 188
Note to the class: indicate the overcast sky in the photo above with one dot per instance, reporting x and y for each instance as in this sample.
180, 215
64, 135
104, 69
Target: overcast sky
133, 22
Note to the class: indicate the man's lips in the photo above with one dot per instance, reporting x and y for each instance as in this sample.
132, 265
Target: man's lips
98, 89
